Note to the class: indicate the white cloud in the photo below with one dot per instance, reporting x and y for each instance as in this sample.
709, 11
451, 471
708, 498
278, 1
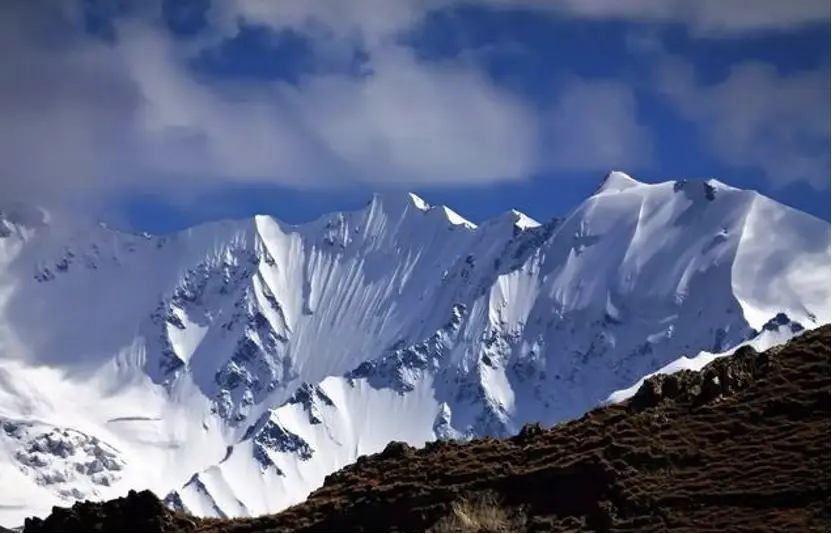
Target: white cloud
758, 118
375, 19
372, 20
593, 127
83, 117
705, 18
58, 107
433, 123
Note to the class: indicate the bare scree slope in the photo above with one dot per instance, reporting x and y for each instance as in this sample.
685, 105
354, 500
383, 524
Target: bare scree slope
234, 365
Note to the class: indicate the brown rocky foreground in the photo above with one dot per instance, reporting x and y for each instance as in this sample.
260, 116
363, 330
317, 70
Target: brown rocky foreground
743, 445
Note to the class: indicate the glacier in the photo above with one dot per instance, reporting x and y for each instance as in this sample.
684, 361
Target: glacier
232, 366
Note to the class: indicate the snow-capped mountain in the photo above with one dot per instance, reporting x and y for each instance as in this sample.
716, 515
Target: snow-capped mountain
234, 365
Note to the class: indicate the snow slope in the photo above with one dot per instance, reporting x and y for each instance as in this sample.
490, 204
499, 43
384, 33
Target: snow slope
234, 365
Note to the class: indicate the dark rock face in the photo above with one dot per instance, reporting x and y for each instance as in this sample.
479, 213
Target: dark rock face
710, 191
742, 445
721, 378
273, 437
138, 512
393, 369
396, 449
529, 432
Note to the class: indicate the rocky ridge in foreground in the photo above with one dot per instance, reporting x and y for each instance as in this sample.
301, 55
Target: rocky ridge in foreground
741, 445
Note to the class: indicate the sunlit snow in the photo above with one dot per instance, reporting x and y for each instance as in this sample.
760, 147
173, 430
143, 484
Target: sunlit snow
232, 366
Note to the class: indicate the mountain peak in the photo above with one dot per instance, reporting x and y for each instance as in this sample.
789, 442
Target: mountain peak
522, 220
617, 181
397, 201
515, 218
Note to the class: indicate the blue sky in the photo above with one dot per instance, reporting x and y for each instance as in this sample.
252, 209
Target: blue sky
159, 114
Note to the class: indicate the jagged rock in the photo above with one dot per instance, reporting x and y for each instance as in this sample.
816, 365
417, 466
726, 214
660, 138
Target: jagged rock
529, 431
139, 511
721, 378
396, 449
710, 191
274, 437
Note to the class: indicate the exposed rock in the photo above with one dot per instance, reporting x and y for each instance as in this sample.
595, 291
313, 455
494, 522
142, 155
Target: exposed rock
529, 431
721, 378
137, 512
396, 449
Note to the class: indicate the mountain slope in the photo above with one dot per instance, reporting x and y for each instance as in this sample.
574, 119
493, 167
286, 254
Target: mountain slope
742, 445
246, 360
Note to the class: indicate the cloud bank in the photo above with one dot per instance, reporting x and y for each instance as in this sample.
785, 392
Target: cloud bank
758, 118
85, 116
705, 18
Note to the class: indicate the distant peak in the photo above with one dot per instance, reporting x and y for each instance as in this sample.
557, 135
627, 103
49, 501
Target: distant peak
453, 217
713, 182
418, 201
516, 218
523, 221
398, 201
512, 219
701, 188
616, 181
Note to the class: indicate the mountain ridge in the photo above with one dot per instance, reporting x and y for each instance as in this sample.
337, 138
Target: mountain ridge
613, 182
286, 351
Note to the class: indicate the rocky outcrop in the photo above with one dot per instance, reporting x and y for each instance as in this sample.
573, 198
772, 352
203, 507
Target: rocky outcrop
721, 378
137, 512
